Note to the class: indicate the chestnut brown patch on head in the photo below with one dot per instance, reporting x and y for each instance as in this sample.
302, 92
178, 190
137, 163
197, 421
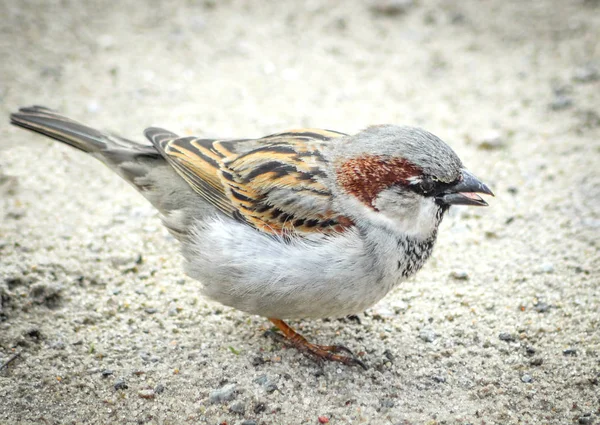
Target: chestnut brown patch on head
367, 175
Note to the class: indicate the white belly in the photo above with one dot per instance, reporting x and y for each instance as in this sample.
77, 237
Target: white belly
264, 275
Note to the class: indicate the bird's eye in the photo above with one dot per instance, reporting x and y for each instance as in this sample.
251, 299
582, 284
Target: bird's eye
426, 186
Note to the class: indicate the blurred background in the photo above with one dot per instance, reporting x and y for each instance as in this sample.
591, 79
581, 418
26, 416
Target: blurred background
243, 68
500, 326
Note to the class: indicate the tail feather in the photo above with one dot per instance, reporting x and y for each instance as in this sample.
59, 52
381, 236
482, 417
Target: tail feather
140, 165
110, 149
46, 121
129, 159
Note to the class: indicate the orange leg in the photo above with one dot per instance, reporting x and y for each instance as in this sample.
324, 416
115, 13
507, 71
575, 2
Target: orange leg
327, 352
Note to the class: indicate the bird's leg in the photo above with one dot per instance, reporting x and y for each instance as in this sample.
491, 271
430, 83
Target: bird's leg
326, 352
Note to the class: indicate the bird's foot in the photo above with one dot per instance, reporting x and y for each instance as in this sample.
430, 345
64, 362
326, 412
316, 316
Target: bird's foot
320, 352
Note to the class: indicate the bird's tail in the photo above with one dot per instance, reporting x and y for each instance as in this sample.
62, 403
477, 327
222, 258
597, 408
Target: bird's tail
129, 159
45, 121
140, 165
52, 124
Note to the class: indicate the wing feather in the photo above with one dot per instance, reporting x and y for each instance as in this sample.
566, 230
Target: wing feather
273, 184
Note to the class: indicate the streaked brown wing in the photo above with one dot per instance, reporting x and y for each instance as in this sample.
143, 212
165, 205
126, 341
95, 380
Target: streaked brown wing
272, 183
195, 160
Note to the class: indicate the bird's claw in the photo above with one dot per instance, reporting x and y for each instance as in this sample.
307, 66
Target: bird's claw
328, 352
319, 352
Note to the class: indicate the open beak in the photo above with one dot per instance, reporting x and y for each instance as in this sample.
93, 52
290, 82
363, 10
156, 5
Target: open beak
465, 192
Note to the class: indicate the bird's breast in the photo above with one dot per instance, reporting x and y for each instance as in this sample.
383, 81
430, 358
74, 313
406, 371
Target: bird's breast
269, 276
414, 254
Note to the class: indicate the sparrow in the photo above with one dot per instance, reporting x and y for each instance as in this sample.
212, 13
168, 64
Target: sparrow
301, 224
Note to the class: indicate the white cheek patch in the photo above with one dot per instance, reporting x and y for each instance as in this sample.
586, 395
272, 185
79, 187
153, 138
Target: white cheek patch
414, 216
427, 219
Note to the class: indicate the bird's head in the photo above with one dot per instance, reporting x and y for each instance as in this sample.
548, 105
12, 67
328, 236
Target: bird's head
403, 177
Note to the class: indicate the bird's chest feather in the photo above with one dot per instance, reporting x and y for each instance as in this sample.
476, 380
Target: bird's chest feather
332, 276
414, 255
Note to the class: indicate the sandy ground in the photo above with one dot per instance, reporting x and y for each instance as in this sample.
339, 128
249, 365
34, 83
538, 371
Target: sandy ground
501, 326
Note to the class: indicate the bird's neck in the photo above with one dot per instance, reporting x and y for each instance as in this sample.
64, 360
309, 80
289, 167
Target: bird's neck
399, 253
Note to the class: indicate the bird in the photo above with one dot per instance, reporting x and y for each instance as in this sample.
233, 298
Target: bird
301, 224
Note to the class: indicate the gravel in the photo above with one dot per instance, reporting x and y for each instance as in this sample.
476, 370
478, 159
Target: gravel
427, 335
492, 140
238, 407
223, 394
526, 378
120, 384
508, 337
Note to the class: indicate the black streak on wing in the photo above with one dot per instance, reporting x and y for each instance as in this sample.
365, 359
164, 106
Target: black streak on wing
273, 166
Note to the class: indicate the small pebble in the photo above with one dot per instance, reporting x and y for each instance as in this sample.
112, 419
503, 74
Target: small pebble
387, 403
505, 336
388, 355
147, 394
120, 384
150, 310
106, 373
526, 378
427, 335
585, 419
538, 361
323, 420
249, 422
147, 357
570, 352
381, 313
541, 307
491, 141
223, 394
260, 407
238, 407
546, 268
439, 379
257, 361
270, 385
459, 275
261, 380
160, 388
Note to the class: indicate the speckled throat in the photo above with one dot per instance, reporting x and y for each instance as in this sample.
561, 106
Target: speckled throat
417, 253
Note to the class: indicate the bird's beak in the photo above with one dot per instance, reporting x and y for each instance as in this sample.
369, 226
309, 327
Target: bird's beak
465, 192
